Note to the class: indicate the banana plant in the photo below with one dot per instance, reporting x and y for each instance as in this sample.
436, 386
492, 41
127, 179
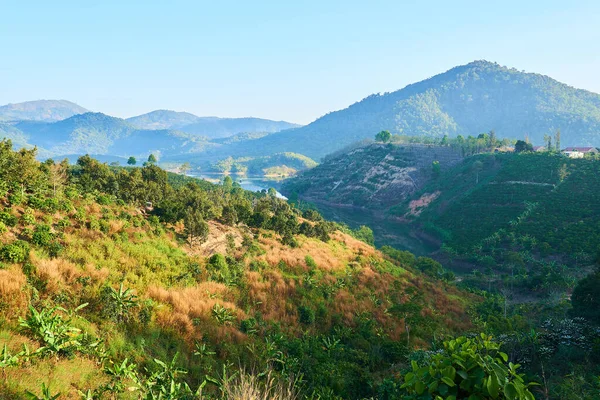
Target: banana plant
46, 395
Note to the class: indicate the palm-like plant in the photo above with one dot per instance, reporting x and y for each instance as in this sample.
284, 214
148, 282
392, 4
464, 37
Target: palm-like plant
50, 328
46, 394
121, 302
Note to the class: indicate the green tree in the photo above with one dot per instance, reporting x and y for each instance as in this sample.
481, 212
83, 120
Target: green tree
523, 146
152, 159
557, 139
131, 160
477, 167
196, 227
435, 168
585, 300
383, 136
548, 142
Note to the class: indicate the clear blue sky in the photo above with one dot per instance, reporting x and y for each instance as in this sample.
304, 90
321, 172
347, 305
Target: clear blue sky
290, 60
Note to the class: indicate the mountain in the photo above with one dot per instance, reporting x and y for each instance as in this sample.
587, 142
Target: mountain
163, 119
210, 127
213, 127
466, 100
98, 133
40, 110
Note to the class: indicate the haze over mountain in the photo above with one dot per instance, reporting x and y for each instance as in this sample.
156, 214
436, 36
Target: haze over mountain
165, 132
98, 133
211, 127
40, 110
466, 100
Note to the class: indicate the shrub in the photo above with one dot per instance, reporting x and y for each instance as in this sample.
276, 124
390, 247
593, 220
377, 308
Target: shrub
16, 252
310, 262
8, 219
306, 315
42, 235
28, 217
3, 227
468, 368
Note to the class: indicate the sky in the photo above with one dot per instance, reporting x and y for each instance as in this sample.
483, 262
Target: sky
282, 60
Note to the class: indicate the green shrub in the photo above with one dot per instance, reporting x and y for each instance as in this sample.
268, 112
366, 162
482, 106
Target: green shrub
16, 252
468, 368
42, 235
8, 219
3, 228
28, 218
310, 262
306, 315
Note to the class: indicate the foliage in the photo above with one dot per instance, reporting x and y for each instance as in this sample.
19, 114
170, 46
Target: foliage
468, 368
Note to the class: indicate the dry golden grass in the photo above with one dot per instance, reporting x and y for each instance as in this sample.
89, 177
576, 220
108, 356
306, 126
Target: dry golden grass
332, 256
12, 284
190, 304
248, 387
60, 274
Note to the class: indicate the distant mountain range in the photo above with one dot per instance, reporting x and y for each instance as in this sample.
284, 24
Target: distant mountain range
58, 127
40, 110
210, 127
466, 100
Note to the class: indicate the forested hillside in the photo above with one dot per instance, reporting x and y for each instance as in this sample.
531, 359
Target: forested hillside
466, 100
104, 295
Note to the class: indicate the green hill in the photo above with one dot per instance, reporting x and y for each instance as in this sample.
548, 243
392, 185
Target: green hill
105, 297
98, 133
466, 100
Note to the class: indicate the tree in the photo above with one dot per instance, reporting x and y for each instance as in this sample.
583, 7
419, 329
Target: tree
58, 175
477, 167
184, 168
195, 226
493, 139
548, 142
557, 140
435, 168
131, 160
152, 159
523, 146
585, 300
383, 136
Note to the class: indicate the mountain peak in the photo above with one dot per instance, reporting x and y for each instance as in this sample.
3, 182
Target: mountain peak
40, 110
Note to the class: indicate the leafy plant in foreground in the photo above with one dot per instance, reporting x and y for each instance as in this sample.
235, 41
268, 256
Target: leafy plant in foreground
467, 369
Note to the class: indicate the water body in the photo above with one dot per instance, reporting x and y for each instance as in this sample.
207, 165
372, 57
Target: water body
252, 183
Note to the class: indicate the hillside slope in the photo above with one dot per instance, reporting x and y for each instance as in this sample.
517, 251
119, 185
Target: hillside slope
466, 100
214, 279
374, 175
40, 110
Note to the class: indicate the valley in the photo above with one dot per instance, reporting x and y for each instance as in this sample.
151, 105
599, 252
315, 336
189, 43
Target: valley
414, 245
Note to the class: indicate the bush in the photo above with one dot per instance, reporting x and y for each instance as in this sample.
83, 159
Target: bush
468, 368
306, 315
16, 252
3, 227
310, 262
8, 219
403, 257
42, 235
